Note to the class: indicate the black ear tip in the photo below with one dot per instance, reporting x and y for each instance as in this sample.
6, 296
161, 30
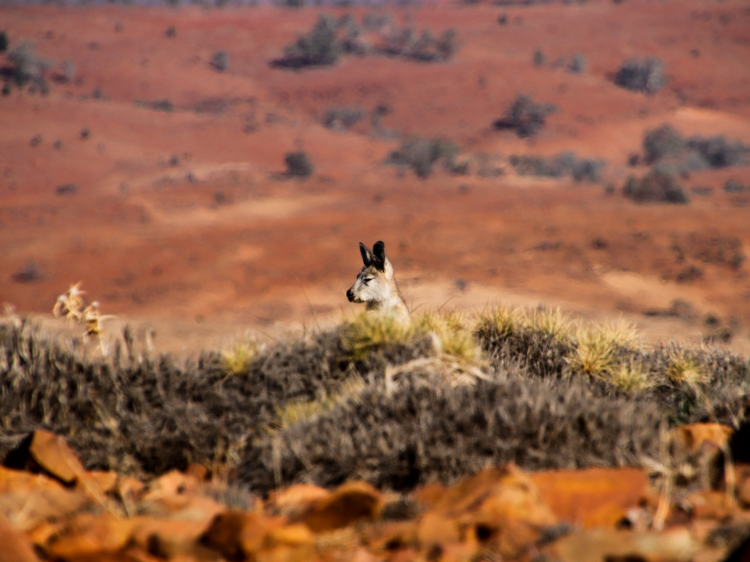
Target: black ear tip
379, 247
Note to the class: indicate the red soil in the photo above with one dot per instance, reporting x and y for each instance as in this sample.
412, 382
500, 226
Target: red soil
215, 241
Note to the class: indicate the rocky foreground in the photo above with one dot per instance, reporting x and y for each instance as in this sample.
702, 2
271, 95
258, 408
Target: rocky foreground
695, 507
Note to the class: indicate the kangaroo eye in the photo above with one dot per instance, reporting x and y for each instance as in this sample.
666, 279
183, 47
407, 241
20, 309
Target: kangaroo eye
367, 279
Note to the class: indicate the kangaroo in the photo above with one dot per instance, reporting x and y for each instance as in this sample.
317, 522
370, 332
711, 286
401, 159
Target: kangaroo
376, 285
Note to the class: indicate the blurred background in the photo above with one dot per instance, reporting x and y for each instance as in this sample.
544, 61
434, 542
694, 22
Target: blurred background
208, 168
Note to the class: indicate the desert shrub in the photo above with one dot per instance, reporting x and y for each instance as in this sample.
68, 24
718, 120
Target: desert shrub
298, 164
220, 61
331, 38
158, 105
661, 142
641, 75
421, 154
525, 117
321, 47
577, 64
659, 185
733, 186
405, 42
342, 118
710, 248
719, 152
666, 145
558, 166
27, 69
539, 58
425, 432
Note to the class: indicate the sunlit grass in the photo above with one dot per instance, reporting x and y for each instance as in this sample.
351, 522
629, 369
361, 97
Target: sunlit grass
369, 331
597, 347
237, 359
454, 333
685, 370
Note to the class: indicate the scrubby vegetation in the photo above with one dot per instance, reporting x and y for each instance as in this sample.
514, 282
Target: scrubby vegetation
565, 164
659, 185
642, 75
665, 145
27, 70
396, 404
525, 116
421, 155
331, 38
298, 164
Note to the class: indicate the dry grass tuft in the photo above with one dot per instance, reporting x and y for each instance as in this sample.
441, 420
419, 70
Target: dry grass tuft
367, 332
685, 370
596, 352
501, 321
454, 334
295, 413
237, 359
631, 376
551, 323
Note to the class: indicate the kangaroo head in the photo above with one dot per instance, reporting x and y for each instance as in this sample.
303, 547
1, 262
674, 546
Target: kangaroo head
375, 284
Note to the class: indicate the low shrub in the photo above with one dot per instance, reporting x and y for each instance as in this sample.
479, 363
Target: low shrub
642, 75
27, 69
421, 155
659, 185
220, 61
298, 164
666, 145
342, 118
561, 165
321, 47
525, 117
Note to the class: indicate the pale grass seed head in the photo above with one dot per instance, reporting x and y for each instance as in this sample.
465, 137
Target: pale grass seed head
237, 359
294, 413
596, 350
368, 331
71, 304
550, 322
500, 320
454, 334
684, 370
631, 376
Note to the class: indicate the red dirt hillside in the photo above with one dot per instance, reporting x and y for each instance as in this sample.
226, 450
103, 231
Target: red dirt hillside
157, 180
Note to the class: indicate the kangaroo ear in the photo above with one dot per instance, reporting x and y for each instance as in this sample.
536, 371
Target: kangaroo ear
366, 255
379, 251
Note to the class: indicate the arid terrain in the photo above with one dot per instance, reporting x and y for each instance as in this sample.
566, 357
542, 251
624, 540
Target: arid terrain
156, 178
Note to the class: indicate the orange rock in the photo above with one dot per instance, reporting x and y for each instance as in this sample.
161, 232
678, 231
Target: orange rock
168, 538
14, 545
42, 451
692, 437
435, 529
430, 494
27, 507
88, 534
594, 497
596, 545
351, 502
708, 504
295, 499
391, 535
499, 509
288, 543
102, 481
197, 471
171, 488
236, 534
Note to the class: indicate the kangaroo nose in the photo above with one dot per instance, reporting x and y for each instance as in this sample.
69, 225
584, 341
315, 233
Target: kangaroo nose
350, 295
